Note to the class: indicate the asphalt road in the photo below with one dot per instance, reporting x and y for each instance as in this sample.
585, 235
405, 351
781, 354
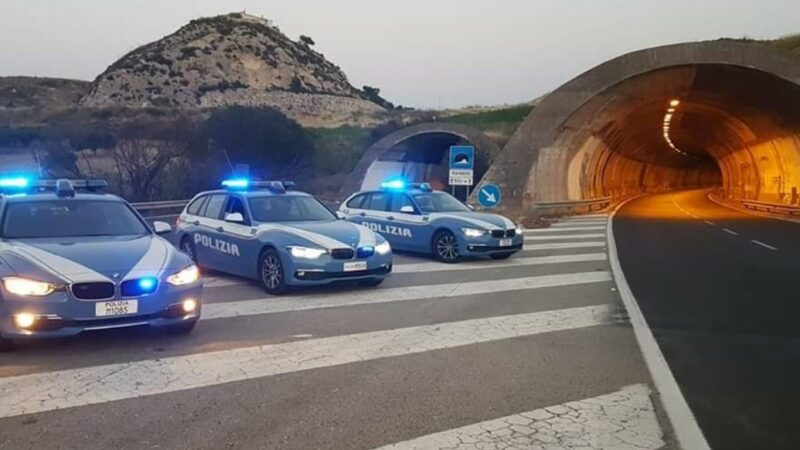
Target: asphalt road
533, 352
720, 290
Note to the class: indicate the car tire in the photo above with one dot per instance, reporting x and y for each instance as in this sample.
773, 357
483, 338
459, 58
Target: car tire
181, 328
500, 255
187, 246
372, 282
445, 247
271, 273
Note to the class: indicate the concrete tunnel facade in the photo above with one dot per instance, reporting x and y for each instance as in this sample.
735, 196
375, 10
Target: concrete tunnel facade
605, 134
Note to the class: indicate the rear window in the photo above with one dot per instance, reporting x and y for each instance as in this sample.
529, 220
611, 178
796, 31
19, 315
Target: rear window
70, 218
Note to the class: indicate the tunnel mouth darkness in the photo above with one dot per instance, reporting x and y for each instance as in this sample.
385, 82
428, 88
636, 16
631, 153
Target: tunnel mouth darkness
699, 125
423, 157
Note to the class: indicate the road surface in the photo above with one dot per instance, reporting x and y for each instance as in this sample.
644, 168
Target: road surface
721, 291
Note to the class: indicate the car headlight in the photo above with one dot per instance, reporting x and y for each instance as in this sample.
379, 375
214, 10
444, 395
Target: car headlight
28, 288
383, 248
519, 230
186, 276
473, 232
306, 252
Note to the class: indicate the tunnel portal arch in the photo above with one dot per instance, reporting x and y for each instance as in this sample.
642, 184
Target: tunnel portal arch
424, 144
603, 133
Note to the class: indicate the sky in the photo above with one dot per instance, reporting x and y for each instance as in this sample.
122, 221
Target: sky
420, 53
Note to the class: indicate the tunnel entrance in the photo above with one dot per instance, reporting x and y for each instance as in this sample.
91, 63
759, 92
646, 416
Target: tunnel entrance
720, 113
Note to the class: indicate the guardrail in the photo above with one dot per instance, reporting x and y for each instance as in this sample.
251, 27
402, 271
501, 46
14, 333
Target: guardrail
147, 208
574, 205
779, 208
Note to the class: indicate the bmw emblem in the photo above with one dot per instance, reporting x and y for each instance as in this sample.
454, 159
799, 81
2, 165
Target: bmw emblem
115, 275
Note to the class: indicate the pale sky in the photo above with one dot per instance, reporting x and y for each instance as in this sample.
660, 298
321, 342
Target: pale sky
421, 53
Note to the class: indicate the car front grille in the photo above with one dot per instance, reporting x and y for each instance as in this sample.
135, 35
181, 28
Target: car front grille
504, 233
342, 253
93, 290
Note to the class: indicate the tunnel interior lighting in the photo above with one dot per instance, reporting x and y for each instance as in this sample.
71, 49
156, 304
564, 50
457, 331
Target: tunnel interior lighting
667, 121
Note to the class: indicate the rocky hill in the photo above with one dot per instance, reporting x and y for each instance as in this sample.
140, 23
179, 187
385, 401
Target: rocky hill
234, 59
20, 93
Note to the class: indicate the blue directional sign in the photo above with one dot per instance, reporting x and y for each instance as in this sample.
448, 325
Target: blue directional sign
489, 195
462, 157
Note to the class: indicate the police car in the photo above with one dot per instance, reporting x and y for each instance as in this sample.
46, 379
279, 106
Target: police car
414, 217
266, 231
73, 258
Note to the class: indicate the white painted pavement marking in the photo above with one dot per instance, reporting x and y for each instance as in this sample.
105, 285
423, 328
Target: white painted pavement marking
623, 419
582, 223
729, 231
708, 222
563, 230
564, 237
587, 216
274, 305
684, 424
563, 245
36, 393
764, 245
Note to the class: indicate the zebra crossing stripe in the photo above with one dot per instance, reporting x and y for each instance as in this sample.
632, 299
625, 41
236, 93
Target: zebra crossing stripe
564, 229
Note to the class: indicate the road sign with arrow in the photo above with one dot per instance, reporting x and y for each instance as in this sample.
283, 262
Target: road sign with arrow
489, 195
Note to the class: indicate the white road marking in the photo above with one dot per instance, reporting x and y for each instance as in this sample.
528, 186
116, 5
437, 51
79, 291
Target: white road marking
623, 419
224, 281
684, 424
764, 245
588, 216
709, 222
563, 230
274, 305
564, 237
36, 393
563, 245
729, 231
581, 223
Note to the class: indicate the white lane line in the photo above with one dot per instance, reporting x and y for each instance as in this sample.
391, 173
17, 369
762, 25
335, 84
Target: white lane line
275, 305
588, 216
684, 424
223, 281
564, 237
709, 222
729, 231
622, 419
582, 223
563, 245
36, 393
563, 230
764, 245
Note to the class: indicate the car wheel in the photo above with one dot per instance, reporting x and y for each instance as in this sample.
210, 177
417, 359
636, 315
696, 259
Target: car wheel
187, 246
7, 345
500, 255
182, 328
372, 282
271, 273
445, 247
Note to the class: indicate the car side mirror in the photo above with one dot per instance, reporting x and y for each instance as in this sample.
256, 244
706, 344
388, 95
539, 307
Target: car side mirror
162, 227
407, 209
234, 217
340, 215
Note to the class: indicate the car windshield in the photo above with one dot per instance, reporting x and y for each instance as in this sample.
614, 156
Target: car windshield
288, 208
70, 218
439, 202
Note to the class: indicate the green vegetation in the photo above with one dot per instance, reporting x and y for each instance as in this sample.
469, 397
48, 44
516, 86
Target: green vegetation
337, 150
789, 43
499, 124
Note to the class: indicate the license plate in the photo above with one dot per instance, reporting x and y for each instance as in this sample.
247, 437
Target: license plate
355, 266
116, 308
505, 242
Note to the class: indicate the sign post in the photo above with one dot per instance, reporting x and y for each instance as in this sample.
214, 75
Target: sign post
462, 166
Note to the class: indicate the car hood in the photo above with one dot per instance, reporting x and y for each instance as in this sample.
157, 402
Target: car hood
478, 219
90, 258
331, 234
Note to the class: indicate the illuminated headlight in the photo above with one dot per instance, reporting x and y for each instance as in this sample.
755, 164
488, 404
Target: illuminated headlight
28, 288
519, 230
306, 252
24, 320
186, 276
473, 232
383, 248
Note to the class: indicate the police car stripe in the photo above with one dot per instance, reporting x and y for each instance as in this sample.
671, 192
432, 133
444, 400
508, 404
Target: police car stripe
319, 239
154, 259
66, 269
477, 222
366, 238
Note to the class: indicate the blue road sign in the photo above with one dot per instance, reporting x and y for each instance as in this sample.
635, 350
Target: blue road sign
489, 195
462, 157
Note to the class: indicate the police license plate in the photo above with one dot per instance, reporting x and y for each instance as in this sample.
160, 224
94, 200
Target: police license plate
355, 266
116, 308
505, 242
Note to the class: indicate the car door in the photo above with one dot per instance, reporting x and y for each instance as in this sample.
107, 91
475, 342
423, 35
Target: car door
405, 222
209, 231
239, 250
373, 213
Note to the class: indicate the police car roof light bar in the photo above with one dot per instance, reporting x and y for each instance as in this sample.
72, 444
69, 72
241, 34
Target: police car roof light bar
86, 184
394, 184
421, 186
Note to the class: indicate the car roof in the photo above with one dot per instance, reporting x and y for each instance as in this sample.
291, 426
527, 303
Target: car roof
51, 195
398, 191
257, 193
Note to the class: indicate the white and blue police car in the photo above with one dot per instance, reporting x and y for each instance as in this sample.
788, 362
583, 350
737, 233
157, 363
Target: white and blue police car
415, 218
266, 231
74, 259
